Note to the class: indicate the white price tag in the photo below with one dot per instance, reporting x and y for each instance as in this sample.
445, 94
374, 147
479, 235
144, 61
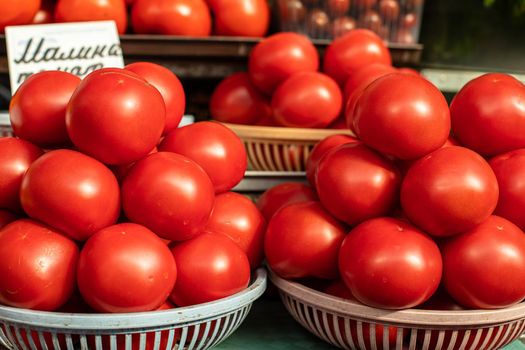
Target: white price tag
77, 48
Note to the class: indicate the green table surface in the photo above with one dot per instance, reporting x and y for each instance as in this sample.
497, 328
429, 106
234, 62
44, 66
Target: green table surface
270, 327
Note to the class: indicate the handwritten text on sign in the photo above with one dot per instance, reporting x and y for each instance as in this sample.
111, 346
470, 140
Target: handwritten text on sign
77, 48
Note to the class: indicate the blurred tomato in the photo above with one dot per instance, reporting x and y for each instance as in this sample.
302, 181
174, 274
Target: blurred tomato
303, 240
308, 100
169, 87
389, 10
241, 18
45, 14
282, 195
92, 10
364, 3
37, 265
16, 156
115, 116
365, 75
278, 57
353, 50
38, 108
236, 217
403, 116
236, 100
485, 266
410, 71
342, 25
71, 192
217, 149
386, 254
339, 7
6, 217
488, 114
171, 17
209, 267
17, 12
169, 194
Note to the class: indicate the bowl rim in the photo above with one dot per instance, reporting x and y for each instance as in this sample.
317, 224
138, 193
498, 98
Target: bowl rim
278, 133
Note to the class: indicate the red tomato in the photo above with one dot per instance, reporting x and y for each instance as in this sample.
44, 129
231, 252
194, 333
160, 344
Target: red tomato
308, 100
171, 17
217, 149
121, 171
71, 192
323, 147
115, 116
440, 300
485, 266
17, 12
355, 183
236, 100
364, 3
342, 25
449, 191
303, 240
92, 10
409, 71
510, 170
365, 75
210, 267
16, 156
236, 217
339, 7
37, 265
169, 87
386, 254
38, 108
488, 114
389, 10
403, 116
6, 217
282, 195
278, 57
241, 18
352, 51
170, 194
44, 16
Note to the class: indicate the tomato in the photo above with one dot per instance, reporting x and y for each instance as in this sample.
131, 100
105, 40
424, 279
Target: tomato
236, 100
170, 194
339, 7
115, 116
488, 114
210, 267
409, 71
92, 10
241, 18
71, 192
6, 217
17, 12
386, 254
342, 25
303, 240
485, 266
308, 100
291, 11
16, 156
121, 171
364, 4
37, 265
449, 191
355, 183
389, 10
38, 108
440, 300
282, 195
115, 280
353, 50
171, 17
169, 87
278, 57
322, 148
365, 75
217, 149
45, 14
403, 116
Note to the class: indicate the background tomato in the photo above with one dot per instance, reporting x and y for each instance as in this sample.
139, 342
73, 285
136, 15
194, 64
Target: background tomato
236, 100
6, 217
17, 12
171, 17
307, 99
355, 183
71, 192
217, 149
92, 10
303, 240
169, 87
485, 266
45, 277
241, 18
115, 116
386, 254
116, 280
276, 58
403, 116
282, 195
210, 267
169, 194
16, 156
449, 191
38, 108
